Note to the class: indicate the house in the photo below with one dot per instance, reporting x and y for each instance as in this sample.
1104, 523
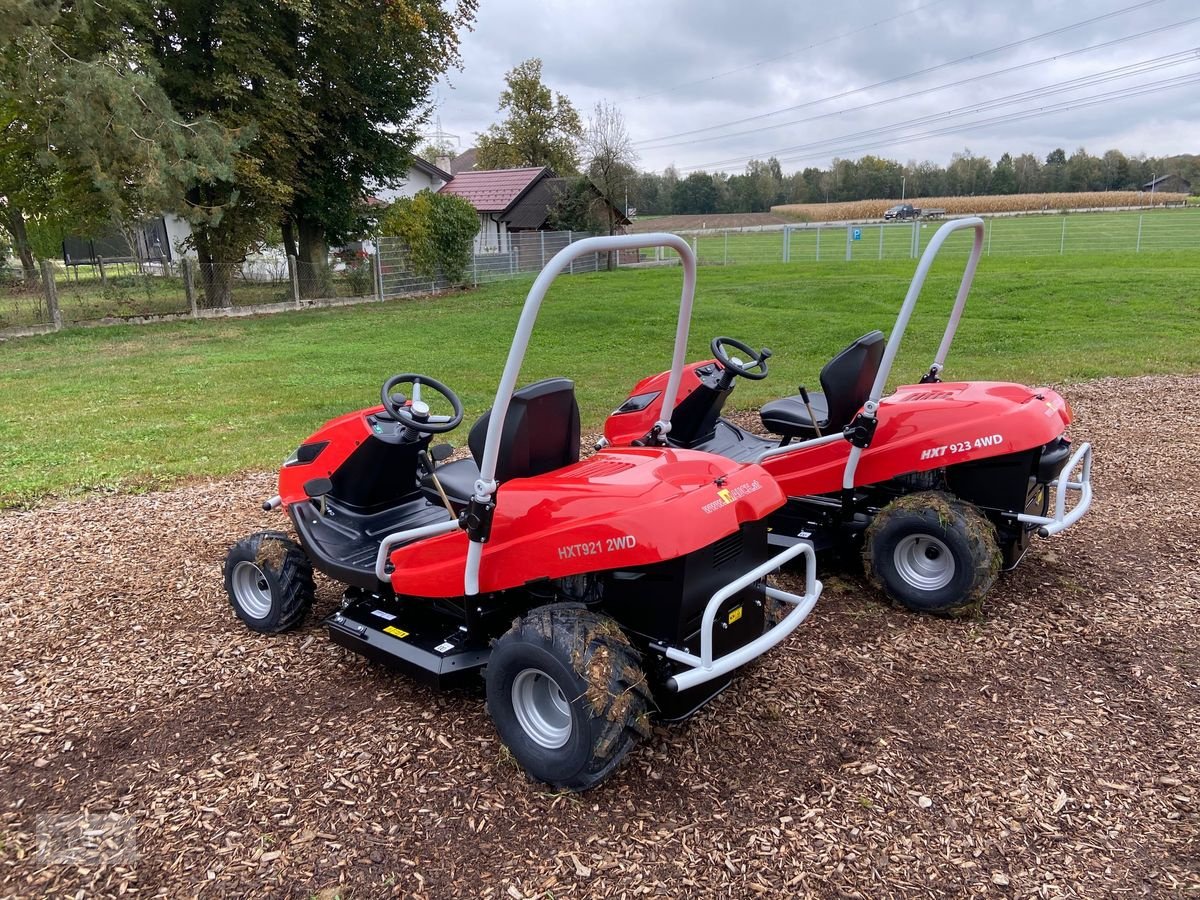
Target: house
532, 211
1168, 184
464, 162
421, 176
494, 193
161, 238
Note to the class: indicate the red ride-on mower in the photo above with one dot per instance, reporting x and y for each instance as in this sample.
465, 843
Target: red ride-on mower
939, 485
593, 594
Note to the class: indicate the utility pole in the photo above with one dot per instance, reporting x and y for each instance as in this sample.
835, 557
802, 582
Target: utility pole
902, 180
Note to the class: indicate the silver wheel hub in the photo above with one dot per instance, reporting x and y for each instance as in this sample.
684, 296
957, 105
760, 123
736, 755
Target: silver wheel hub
541, 708
251, 590
924, 562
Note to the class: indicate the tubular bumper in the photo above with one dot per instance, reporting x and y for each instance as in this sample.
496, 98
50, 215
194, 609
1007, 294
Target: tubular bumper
704, 667
1064, 518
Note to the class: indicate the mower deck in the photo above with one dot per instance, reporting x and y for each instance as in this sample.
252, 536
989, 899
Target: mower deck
416, 637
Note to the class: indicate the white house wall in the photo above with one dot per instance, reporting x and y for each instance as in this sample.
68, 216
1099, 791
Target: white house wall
492, 236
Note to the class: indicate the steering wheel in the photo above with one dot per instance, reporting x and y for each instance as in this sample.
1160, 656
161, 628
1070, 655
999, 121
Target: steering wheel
755, 369
415, 415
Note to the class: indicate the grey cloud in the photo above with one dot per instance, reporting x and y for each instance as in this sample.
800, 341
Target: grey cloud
627, 52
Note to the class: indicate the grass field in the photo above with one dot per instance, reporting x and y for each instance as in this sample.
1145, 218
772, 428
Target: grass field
130, 407
1034, 235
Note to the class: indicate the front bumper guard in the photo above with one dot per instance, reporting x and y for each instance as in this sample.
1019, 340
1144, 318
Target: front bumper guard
1064, 518
704, 667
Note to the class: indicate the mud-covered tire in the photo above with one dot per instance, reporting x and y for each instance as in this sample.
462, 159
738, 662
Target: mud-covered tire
932, 552
269, 580
567, 694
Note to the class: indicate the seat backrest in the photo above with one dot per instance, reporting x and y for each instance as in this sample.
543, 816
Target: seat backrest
541, 431
847, 378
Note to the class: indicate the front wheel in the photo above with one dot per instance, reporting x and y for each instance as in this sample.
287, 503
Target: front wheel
269, 580
932, 552
566, 691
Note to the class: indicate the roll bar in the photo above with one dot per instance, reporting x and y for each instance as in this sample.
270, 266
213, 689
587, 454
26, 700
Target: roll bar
485, 486
906, 309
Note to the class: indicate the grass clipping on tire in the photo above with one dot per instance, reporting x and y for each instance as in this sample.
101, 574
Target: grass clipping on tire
979, 531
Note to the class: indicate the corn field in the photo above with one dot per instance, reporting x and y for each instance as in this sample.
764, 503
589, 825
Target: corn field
1009, 203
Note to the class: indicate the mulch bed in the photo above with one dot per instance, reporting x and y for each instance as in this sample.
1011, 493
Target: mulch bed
1046, 748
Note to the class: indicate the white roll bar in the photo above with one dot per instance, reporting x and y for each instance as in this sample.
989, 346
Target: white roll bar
910, 301
486, 486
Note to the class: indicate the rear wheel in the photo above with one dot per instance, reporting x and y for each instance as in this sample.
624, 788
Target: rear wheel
932, 552
568, 696
269, 581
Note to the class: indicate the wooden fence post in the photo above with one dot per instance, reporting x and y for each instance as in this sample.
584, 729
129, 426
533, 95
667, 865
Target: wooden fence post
51, 295
189, 286
103, 277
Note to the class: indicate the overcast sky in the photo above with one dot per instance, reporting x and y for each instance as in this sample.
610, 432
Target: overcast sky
674, 67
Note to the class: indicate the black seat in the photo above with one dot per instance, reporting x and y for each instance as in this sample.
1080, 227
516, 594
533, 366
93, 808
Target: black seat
845, 385
541, 434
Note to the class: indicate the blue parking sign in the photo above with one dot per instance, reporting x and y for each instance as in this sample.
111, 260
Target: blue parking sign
858, 234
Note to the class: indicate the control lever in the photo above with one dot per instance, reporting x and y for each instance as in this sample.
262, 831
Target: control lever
811, 417
427, 465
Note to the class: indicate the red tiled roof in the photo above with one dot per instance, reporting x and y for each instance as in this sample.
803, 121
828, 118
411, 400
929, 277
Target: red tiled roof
492, 190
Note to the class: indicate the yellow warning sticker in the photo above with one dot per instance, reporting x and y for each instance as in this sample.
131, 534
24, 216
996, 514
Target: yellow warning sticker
401, 633
735, 614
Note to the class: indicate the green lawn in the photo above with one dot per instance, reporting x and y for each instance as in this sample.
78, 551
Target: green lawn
1030, 235
131, 407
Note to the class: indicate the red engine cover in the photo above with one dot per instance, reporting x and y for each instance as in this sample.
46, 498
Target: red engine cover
620, 508
928, 426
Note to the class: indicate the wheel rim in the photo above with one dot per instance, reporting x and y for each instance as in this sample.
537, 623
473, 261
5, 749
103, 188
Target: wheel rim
542, 708
924, 562
251, 590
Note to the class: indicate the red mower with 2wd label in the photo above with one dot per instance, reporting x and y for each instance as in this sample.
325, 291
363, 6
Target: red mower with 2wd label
594, 594
938, 485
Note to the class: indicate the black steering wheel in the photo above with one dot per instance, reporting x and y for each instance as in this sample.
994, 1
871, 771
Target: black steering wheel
755, 369
415, 414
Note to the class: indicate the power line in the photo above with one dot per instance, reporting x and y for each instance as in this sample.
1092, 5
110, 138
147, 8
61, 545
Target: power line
905, 77
1119, 72
763, 62
1065, 106
924, 91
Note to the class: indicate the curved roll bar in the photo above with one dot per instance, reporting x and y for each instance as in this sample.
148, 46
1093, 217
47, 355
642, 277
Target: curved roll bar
486, 486
906, 309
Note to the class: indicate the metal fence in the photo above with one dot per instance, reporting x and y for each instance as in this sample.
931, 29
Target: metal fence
131, 290
1032, 235
525, 253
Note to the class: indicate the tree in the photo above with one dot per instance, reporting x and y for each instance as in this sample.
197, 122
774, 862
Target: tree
88, 132
695, 195
541, 128
365, 70
610, 158
1004, 178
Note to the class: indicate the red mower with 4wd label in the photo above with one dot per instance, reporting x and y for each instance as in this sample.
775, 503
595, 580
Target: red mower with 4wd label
938, 485
594, 594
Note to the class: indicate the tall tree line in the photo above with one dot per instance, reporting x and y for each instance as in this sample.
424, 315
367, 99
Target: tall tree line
764, 184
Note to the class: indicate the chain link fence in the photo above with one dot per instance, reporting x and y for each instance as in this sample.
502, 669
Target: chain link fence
1027, 235
525, 253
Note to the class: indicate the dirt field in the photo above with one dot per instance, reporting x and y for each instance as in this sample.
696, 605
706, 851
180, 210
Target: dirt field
715, 220
1046, 749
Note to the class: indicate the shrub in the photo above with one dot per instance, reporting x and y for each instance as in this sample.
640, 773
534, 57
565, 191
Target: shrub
438, 229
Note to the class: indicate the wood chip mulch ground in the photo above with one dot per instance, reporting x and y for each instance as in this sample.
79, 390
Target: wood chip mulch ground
1049, 747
